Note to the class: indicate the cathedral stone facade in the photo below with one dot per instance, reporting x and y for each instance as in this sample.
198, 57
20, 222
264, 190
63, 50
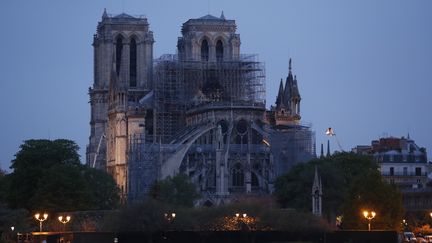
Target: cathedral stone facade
200, 112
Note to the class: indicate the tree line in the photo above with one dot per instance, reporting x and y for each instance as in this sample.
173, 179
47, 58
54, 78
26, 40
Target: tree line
47, 175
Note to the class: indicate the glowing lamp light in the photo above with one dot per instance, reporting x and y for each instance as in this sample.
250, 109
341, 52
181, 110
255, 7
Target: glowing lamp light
330, 132
369, 216
40, 219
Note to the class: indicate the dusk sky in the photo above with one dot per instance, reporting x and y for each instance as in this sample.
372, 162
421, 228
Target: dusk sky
363, 67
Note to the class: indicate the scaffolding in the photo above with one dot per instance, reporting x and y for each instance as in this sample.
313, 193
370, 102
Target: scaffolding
291, 145
185, 92
181, 86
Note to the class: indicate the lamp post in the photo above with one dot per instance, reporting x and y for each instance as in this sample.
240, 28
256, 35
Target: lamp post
404, 224
170, 216
330, 132
369, 216
242, 221
41, 219
64, 221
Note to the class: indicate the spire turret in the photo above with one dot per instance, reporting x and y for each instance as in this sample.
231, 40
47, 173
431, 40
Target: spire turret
104, 15
289, 66
222, 15
317, 194
279, 98
288, 86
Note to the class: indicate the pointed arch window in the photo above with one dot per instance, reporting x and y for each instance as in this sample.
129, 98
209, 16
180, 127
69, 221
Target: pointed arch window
133, 63
119, 48
219, 51
204, 50
238, 175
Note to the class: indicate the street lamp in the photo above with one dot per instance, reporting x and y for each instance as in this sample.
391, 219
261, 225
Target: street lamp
41, 219
242, 221
404, 224
243, 215
170, 216
64, 221
369, 216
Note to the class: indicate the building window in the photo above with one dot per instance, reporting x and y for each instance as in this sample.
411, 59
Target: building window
255, 182
204, 51
405, 171
418, 171
119, 48
219, 51
238, 175
133, 64
391, 171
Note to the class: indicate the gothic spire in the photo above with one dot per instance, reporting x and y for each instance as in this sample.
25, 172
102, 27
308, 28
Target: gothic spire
289, 66
288, 86
104, 15
328, 148
317, 181
222, 15
295, 91
317, 194
279, 98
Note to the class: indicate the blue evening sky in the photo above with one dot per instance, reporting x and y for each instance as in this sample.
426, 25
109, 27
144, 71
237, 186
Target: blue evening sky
363, 67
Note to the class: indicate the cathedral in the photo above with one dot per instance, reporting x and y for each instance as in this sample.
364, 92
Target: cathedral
201, 112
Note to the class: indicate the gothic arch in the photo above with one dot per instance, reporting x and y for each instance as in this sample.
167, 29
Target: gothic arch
120, 35
222, 39
205, 37
138, 38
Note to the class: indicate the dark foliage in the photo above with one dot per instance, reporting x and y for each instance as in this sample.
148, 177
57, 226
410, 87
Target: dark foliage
343, 176
177, 190
47, 175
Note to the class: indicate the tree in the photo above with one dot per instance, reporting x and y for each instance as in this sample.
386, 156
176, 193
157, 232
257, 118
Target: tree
373, 194
2, 186
49, 176
342, 175
176, 190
